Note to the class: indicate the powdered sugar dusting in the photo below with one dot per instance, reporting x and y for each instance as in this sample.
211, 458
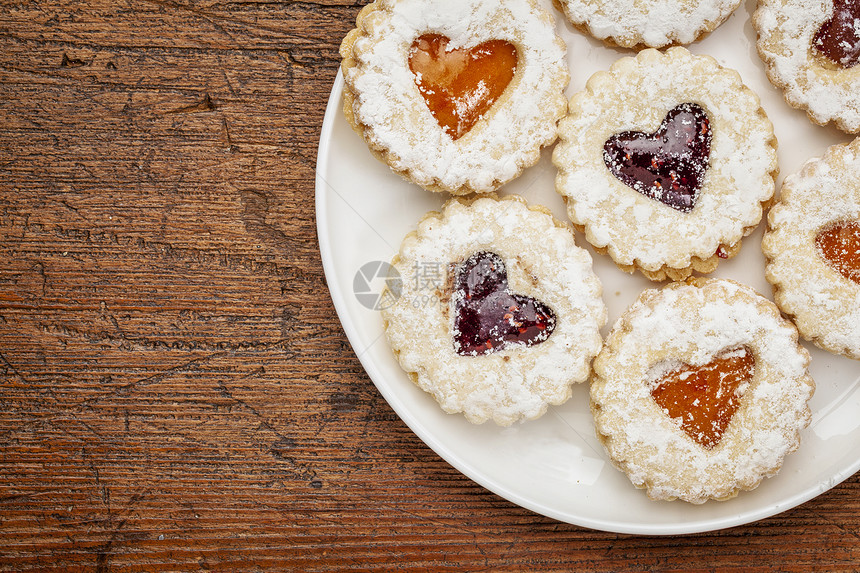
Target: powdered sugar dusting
786, 29
398, 122
692, 323
655, 23
826, 305
634, 96
542, 262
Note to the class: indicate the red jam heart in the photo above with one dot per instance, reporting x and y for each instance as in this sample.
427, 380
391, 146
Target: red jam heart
487, 316
668, 165
839, 37
461, 85
705, 398
839, 244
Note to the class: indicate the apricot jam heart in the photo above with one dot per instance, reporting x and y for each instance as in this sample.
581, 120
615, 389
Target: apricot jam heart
839, 244
839, 37
487, 316
461, 85
668, 165
705, 398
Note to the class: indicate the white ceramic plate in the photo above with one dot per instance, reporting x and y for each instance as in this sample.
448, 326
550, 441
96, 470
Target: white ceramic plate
554, 465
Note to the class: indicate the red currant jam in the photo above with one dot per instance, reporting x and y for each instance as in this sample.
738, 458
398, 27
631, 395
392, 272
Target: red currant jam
487, 316
668, 165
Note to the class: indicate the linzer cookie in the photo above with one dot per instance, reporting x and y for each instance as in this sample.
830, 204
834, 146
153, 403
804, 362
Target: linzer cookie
700, 391
499, 311
811, 49
813, 250
456, 96
666, 162
633, 23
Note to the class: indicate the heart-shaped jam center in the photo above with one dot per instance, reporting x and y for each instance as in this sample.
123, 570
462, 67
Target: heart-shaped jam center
488, 316
839, 244
461, 85
705, 398
839, 37
668, 165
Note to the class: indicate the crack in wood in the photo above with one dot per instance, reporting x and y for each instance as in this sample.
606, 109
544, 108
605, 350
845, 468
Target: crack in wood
256, 211
122, 341
278, 448
204, 105
14, 370
68, 62
231, 261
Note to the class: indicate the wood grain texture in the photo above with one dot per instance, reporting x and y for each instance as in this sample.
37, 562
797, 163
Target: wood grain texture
176, 392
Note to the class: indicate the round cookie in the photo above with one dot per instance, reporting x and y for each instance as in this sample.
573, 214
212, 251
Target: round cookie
632, 23
812, 247
791, 38
408, 55
666, 176
512, 318
700, 390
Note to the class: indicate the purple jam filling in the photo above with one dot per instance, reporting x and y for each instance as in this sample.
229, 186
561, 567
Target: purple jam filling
839, 37
669, 165
487, 316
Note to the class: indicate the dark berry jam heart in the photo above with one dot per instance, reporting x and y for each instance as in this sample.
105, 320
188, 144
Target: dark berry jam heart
488, 316
669, 165
839, 37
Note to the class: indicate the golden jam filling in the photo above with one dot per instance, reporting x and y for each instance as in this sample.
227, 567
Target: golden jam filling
461, 85
705, 398
839, 244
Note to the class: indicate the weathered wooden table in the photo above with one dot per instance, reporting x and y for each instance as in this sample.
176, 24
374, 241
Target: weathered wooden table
176, 392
